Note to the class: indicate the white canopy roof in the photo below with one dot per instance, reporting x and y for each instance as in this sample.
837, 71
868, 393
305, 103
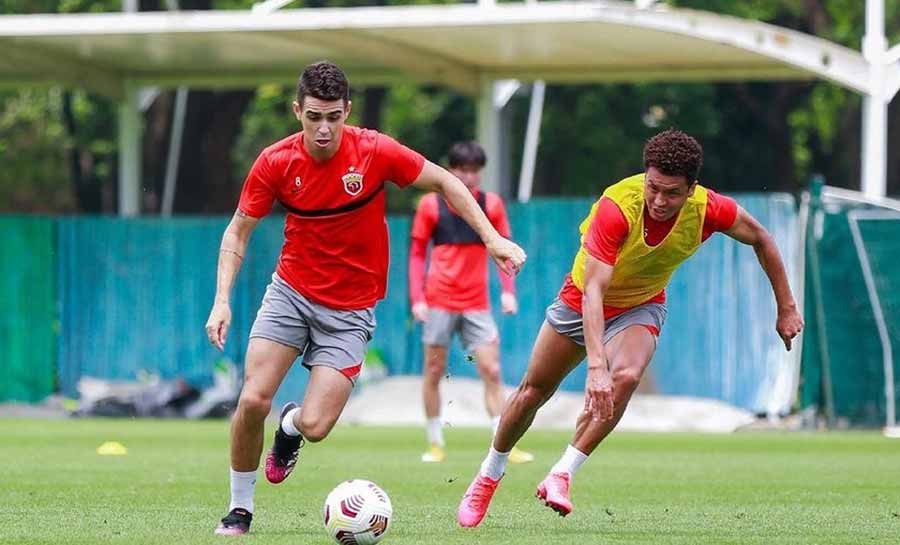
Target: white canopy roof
453, 45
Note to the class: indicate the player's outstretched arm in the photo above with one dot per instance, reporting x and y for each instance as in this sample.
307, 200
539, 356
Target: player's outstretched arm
598, 389
508, 255
749, 231
418, 252
231, 255
497, 214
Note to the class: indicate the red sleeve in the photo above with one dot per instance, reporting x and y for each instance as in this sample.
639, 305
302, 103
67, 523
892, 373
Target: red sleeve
507, 282
417, 250
496, 212
423, 226
607, 232
721, 211
426, 217
257, 196
402, 165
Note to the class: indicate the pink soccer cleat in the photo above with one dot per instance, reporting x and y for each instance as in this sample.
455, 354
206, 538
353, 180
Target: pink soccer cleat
283, 455
475, 502
554, 491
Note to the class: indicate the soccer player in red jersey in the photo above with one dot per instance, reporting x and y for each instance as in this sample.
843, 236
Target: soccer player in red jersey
612, 307
454, 298
330, 178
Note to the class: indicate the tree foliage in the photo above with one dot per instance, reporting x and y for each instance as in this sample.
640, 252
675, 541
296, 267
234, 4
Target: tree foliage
60, 146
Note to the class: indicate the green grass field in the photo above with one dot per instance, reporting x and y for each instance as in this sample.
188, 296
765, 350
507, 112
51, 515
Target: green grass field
172, 487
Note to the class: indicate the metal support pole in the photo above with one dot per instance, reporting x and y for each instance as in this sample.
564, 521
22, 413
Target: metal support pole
875, 104
488, 135
817, 218
532, 138
130, 131
175, 138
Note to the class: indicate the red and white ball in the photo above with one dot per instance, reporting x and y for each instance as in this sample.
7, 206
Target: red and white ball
357, 512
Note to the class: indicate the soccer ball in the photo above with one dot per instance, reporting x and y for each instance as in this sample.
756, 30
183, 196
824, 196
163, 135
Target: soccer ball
357, 512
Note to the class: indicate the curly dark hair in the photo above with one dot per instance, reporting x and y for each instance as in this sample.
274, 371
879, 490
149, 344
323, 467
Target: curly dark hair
466, 153
674, 153
323, 80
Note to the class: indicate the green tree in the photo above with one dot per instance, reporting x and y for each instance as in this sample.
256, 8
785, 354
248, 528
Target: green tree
60, 146
812, 127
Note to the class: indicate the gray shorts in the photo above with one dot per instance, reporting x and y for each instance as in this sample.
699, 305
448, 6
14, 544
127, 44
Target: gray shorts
475, 328
565, 321
324, 336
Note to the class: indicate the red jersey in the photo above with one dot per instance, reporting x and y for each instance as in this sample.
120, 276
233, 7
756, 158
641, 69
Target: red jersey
335, 249
457, 278
609, 230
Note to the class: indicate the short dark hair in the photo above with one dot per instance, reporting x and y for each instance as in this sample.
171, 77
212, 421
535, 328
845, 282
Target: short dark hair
323, 80
466, 153
674, 153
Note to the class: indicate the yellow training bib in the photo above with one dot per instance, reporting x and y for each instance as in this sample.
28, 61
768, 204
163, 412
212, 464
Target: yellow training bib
643, 271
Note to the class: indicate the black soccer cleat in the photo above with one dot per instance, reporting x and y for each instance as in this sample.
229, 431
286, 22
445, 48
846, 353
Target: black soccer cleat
283, 455
235, 523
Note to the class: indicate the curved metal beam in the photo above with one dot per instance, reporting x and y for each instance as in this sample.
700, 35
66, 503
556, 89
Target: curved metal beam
811, 55
817, 56
892, 73
91, 77
422, 65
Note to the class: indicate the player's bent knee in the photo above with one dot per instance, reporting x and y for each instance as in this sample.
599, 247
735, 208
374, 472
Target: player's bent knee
434, 371
254, 404
530, 395
314, 428
627, 377
490, 373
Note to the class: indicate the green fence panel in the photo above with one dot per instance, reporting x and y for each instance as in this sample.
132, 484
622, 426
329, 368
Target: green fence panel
134, 295
849, 385
27, 297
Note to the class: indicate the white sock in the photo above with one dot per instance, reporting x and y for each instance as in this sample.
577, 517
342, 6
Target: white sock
287, 423
435, 431
243, 484
494, 464
495, 423
570, 461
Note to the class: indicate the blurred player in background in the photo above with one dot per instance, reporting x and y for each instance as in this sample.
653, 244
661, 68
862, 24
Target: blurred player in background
333, 268
612, 307
454, 297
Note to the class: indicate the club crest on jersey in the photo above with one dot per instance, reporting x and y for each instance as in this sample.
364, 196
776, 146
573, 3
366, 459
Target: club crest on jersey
353, 183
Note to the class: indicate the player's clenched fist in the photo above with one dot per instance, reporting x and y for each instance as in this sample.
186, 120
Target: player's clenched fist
217, 325
508, 255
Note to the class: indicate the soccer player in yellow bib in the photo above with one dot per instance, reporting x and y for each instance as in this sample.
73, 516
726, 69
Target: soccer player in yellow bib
611, 307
